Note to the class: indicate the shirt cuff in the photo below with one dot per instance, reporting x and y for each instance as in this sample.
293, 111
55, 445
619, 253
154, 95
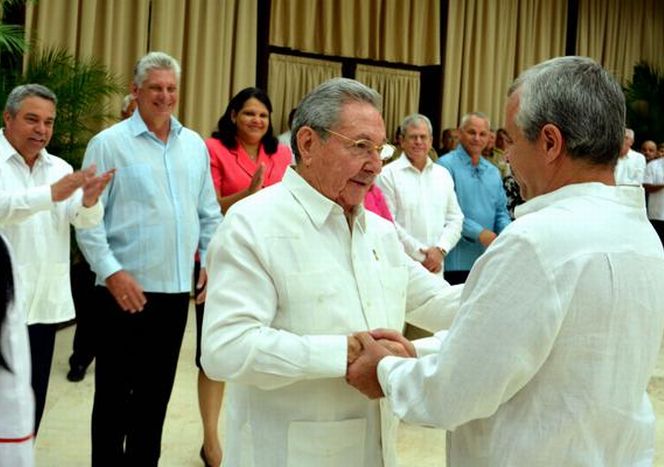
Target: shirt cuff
107, 267
429, 345
328, 356
41, 198
383, 370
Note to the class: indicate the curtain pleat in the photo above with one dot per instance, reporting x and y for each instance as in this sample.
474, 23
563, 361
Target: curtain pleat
400, 90
489, 44
619, 34
114, 33
290, 79
214, 40
399, 31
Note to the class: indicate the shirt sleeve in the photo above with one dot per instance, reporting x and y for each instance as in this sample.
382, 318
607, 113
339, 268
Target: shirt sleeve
410, 244
453, 217
79, 215
493, 349
209, 212
15, 207
238, 341
650, 176
93, 241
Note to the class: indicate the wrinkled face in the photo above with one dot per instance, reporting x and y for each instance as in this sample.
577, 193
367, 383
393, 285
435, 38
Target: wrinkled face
157, 96
649, 149
526, 160
30, 130
334, 166
252, 121
417, 141
474, 135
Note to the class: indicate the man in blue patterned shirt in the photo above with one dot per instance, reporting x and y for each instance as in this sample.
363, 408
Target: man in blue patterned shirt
480, 193
159, 210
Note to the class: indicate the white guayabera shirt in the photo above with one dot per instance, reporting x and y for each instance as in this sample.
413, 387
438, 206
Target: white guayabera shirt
287, 283
424, 205
559, 329
38, 231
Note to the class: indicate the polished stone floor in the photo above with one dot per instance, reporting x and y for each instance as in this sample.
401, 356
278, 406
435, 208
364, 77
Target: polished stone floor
64, 437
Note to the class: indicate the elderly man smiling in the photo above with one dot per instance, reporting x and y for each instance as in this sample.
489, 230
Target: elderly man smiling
294, 271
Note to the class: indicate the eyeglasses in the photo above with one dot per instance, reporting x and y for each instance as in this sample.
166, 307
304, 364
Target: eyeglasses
364, 147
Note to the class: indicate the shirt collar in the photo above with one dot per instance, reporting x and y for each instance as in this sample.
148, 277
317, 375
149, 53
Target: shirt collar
404, 163
138, 126
318, 207
628, 195
465, 158
7, 151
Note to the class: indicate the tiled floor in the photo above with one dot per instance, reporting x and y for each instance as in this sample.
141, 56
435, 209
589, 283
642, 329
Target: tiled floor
64, 437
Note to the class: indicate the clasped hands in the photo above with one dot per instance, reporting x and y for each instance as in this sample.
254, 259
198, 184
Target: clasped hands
365, 350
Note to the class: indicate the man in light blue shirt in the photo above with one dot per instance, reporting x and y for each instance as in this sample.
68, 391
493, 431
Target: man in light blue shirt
480, 193
159, 210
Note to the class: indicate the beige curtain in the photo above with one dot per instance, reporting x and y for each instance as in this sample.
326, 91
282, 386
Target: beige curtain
115, 33
619, 34
488, 44
541, 32
400, 90
290, 79
400, 31
214, 40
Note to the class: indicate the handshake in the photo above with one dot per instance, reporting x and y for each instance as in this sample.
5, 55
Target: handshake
365, 350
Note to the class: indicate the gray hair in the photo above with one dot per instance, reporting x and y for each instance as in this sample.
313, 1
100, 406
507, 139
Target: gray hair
466, 118
579, 97
414, 119
321, 107
629, 133
22, 92
155, 61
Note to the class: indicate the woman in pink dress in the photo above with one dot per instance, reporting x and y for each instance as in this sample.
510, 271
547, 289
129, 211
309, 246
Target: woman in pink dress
245, 156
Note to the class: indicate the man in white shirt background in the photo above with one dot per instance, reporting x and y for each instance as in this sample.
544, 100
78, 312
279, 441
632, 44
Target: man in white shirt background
40, 196
420, 196
631, 166
654, 185
561, 319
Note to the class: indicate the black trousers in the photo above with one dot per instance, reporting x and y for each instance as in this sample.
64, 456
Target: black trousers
42, 342
456, 277
659, 228
83, 292
137, 356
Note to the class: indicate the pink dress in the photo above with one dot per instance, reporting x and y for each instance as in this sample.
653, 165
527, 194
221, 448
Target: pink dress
375, 202
232, 169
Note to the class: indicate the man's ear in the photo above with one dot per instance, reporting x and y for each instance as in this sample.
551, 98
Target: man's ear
306, 139
552, 142
5, 117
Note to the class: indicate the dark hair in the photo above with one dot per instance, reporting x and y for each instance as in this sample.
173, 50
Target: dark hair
6, 291
227, 130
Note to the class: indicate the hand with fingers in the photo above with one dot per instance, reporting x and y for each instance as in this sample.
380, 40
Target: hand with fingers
362, 372
127, 292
